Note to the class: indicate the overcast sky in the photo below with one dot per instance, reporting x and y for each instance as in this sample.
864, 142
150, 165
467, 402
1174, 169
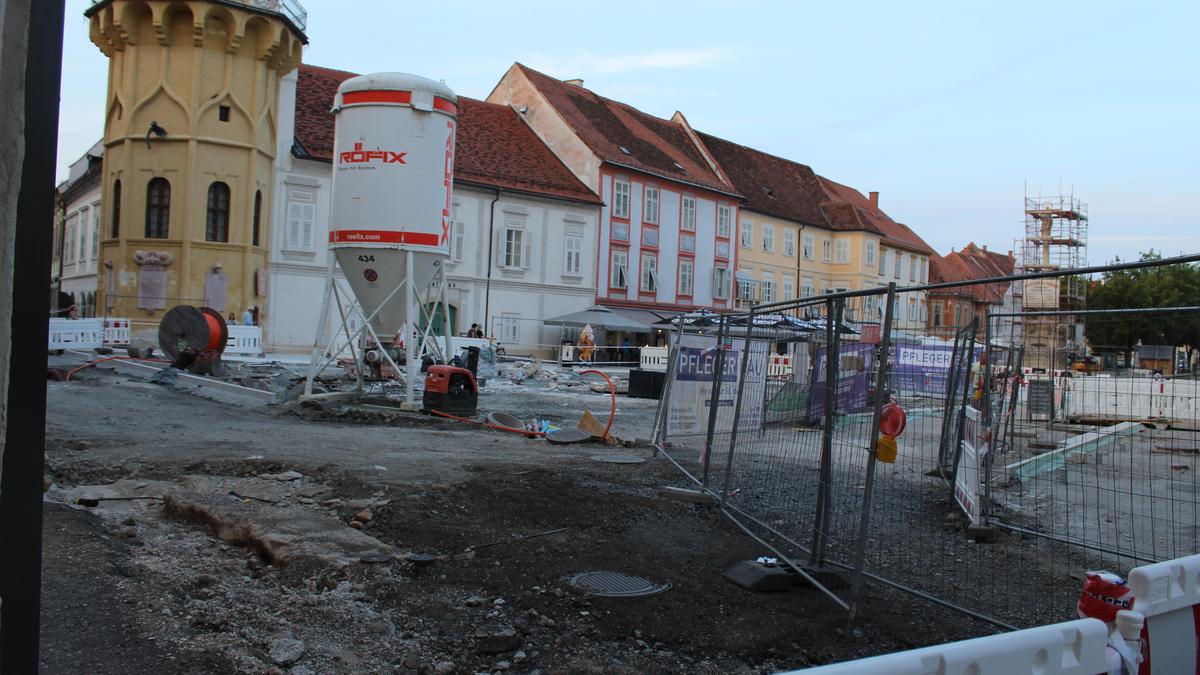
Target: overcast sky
951, 110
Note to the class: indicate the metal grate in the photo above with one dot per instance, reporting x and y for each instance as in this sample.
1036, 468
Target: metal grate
615, 584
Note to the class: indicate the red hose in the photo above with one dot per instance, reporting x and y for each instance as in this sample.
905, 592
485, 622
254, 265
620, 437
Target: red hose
107, 358
612, 392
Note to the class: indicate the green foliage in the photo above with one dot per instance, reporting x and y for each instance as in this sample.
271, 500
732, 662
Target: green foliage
1168, 286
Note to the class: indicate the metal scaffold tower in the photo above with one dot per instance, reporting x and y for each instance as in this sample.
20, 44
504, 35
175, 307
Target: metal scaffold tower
1055, 239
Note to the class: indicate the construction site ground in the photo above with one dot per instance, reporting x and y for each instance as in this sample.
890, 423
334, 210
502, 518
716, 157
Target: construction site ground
220, 541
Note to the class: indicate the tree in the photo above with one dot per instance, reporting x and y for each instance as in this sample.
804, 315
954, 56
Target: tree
1145, 288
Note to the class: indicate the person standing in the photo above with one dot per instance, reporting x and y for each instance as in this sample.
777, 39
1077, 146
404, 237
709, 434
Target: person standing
248, 316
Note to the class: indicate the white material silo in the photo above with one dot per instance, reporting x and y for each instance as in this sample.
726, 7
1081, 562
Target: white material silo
393, 168
393, 172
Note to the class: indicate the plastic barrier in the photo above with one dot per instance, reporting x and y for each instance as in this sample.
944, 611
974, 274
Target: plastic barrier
244, 340
76, 334
1168, 595
779, 366
653, 358
116, 331
1070, 648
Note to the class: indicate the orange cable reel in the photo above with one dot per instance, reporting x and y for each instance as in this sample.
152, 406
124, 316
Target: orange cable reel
892, 421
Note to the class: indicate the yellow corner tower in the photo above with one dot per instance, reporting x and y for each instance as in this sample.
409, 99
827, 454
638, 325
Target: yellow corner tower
189, 150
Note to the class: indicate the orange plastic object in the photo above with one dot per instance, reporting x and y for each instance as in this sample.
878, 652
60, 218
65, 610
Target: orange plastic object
885, 449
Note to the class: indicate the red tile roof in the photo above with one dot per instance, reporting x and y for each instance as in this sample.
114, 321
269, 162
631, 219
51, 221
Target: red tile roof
655, 145
856, 210
493, 147
771, 185
969, 264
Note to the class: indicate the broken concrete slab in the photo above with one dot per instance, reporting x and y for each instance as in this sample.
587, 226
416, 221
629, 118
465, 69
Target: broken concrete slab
284, 535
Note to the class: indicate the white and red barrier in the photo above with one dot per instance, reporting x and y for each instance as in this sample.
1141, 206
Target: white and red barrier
1070, 648
1168, 595
779, 366
76, 334
244, 341
116, 332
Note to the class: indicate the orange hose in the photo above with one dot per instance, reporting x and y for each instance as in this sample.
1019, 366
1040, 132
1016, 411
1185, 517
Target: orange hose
214, 331
612, 392
107, 358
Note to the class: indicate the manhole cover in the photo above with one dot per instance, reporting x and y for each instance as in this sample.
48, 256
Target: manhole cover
618, 459
568, 436
615, 584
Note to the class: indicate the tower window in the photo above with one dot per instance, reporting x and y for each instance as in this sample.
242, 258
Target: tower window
257, 216
158, 208
223, 112
116, 209
217, 228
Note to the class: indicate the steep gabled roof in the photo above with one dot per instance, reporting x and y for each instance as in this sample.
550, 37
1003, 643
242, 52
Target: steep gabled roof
970, 264
771, 185
857, 210
493, 147
621, 134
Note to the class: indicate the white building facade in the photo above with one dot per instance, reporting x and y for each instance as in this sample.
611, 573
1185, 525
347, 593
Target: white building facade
77, 235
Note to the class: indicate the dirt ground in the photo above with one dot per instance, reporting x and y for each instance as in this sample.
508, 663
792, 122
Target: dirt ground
128, 588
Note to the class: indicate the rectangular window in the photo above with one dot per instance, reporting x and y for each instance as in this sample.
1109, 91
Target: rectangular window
301, 212
826, 250
95, 230
882, 261
789, 288
722, 280
747, 234
81, 236
924, 313
769, 238
69, 239
724, 218
768, 290
459, 239
619, 270
789, 243
650, 210
573, 254
899, 262
870, 254
688, 219
806, 288
620, 206
686, 276
649, 276
843, 251
513, 252
809, 248
912, 268
937, 314
747, 290
912, 310
924, 270
510, 327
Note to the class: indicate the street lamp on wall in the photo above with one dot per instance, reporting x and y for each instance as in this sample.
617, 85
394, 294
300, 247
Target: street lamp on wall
155, 130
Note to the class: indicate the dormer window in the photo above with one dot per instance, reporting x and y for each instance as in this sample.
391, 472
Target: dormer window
624, 149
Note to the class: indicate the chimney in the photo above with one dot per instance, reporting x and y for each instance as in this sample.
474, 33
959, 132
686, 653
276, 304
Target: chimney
985, 248
874, 200
1010, 255
576, 82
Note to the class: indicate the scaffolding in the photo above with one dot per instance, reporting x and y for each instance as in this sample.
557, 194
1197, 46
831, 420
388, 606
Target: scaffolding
1055, 239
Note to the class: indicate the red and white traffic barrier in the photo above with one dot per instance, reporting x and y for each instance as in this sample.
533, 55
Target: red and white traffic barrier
1168, 595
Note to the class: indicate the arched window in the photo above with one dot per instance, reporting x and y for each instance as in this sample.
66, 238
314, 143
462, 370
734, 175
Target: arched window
116, 209
217, 228
158, 208
257, 216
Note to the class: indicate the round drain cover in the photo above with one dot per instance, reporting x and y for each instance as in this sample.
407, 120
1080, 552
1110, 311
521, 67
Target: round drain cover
568, 436
615, 584
618, 459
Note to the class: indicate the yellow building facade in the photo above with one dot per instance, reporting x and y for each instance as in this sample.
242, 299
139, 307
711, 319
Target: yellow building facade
190, 144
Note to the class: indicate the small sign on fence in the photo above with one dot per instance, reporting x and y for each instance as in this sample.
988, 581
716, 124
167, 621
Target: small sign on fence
966, 478
1040, 400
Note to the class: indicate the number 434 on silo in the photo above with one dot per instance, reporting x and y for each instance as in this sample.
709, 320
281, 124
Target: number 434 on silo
366, 258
